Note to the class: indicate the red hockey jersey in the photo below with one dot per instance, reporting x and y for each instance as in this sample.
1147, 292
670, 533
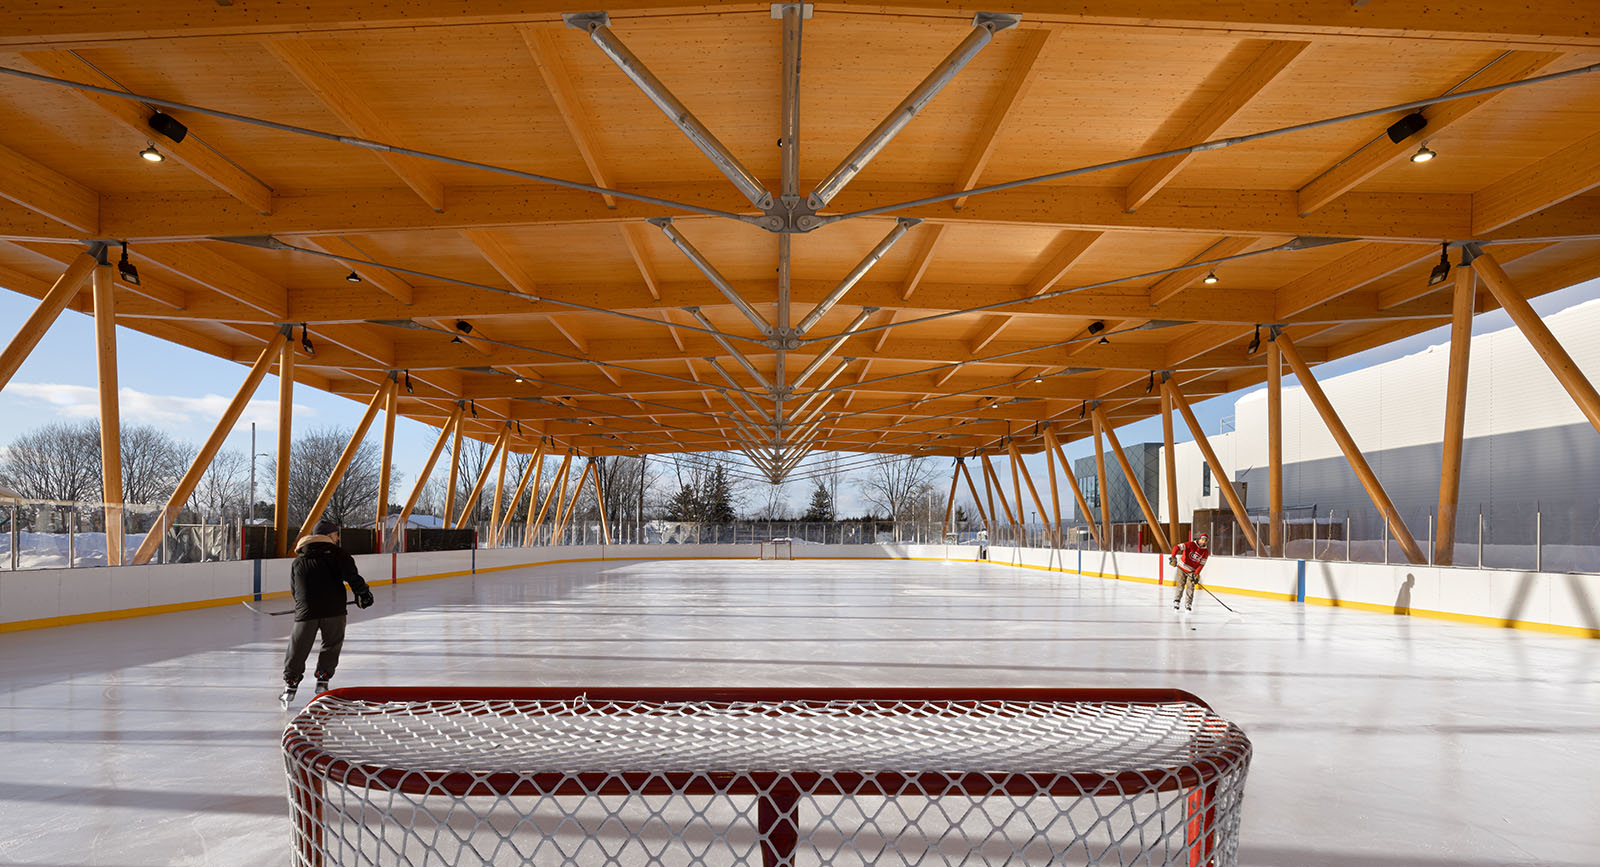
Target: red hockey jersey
1191, 557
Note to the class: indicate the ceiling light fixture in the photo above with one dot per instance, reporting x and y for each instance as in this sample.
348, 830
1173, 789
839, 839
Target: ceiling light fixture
305, 340
151, 154
1423, 154
125, 268
1210, 278
1406, 127
352, 277
1151, 384
1255, 343
1441, 271
463, 326
408, 383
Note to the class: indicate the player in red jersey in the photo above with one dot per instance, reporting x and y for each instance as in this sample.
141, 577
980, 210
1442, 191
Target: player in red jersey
1189, 557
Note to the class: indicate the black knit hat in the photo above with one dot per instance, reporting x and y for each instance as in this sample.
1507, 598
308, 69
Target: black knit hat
326, 528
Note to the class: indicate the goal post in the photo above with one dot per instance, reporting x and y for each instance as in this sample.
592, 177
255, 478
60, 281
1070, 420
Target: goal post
383, 776
777, 549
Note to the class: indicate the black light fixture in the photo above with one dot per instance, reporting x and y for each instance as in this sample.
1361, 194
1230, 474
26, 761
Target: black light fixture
1423, 154
408, 383
463, 326
125, 268
474, 406
1210, 278
305, 340
150, 154
1407, 127
1083, 408
352, 277
168, 126
1441, 271
1255, 343
1150, 385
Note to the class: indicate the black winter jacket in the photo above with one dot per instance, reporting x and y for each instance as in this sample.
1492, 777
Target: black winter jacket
317, 578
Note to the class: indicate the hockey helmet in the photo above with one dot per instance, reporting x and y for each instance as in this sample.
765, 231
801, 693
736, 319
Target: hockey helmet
1202, 539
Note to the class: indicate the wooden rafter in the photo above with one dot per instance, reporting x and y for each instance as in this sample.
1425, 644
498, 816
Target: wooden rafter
1012, 91
1569, 172
558, 80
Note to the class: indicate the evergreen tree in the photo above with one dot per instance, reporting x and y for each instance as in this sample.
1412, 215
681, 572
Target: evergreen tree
685, 506
717, 499
821, 507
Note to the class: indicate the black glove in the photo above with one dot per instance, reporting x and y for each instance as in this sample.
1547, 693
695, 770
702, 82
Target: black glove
364, 599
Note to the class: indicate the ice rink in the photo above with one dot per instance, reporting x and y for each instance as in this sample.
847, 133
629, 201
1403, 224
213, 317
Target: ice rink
1379, 740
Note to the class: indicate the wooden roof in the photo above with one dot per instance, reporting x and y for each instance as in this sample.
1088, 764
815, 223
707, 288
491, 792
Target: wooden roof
541, 271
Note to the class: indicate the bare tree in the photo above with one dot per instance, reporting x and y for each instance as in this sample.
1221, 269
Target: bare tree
59, 461
774, 504
900, 487
312, 457
152, 463
224, 489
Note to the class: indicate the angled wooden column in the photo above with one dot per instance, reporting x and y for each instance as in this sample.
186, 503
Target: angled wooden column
988, 489
1016, 489
499, 493
208, 451
43, 316
550, 496
950, 502
522, 485
453, 422
390, 408
483, 478
1055, 495
572, 504
1100, 473
1022, 470
1352, 453
341, 466
961, 465
993, 478
1169, 457
1218, 471
455, 472
600, 500
105, 352
1150, 518
1072, 482
1455, 414
280, 497
1275, 449
1533, 328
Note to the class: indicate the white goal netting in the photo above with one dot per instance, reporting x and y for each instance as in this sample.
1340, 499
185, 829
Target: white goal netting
683, 778
777, 549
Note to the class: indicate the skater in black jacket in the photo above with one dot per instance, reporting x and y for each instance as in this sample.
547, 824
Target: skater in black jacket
321, 570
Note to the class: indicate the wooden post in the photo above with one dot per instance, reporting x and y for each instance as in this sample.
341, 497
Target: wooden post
39, 321
483, 478
427, 470
1016, 489
1352, 453
391, 408
988, 490
991, 477
1100, 471
1218, 472
1022, 469
1533, 328
208, 451
499, 492
280, 505
307, 527
1055, 495
1455, 414
1160, 538
1072, 482
522, 485
455, 471
572, 505
600, 500
1170, 459
976, 500
550, 496
105, 351
950, 504
1274, 448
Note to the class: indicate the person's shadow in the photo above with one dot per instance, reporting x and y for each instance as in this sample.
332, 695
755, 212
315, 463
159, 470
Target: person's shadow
1402, 601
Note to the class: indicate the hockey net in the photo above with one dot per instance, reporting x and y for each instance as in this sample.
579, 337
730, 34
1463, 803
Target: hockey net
777, 549
747, 777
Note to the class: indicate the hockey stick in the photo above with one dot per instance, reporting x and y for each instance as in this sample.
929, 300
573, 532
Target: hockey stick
1214, 596
247, 604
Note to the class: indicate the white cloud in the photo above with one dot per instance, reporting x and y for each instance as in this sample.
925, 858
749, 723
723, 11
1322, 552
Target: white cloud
190, 417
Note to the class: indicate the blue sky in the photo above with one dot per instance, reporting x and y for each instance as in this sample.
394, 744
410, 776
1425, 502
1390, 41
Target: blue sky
183, 391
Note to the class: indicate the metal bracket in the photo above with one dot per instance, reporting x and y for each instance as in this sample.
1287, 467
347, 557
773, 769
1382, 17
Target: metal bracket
586, 21
996, 21
778, 9
1469, 252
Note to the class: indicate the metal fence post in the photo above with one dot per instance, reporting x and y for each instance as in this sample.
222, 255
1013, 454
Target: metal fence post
16, 537
1430, 537
1480, 535
72, 537
1386, 541
1538, 538
1347, 538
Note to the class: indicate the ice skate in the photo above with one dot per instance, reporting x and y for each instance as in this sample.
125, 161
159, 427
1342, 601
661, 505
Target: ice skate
1190, 606
286, 696
322, 683
1175, 603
